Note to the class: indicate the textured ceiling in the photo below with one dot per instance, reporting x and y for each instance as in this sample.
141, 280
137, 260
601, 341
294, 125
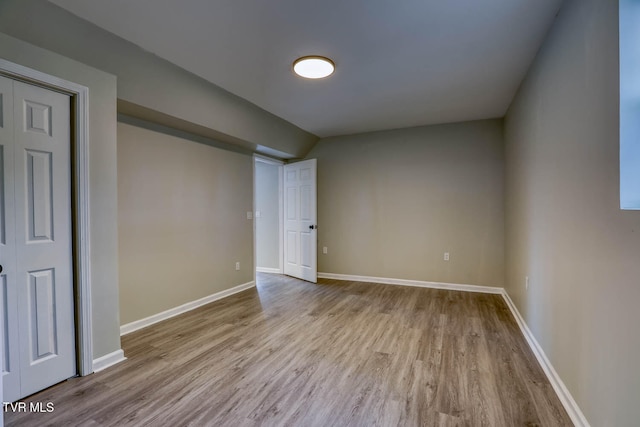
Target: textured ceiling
399, 63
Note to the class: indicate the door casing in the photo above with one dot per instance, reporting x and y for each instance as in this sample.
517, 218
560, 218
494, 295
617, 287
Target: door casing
80, 201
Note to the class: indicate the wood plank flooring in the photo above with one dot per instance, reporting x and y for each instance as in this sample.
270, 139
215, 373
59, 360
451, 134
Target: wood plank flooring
291, 353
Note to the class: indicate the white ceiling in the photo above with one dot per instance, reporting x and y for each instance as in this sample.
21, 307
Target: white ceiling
399, 63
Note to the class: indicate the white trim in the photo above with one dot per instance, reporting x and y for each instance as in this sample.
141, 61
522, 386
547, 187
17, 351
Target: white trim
281, 218
558, 385
268, 270
83, 239
148, 321
268, 160
254, 222
82, 201
108, 360
415, 283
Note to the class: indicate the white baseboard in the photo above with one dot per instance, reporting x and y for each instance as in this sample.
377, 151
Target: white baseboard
148, 321
415, 283
570, 405
268, 270
108, 360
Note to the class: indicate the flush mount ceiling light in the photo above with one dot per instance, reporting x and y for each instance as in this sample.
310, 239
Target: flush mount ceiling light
313, 67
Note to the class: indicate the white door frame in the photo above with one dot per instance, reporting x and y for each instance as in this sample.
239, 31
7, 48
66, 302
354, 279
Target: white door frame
80, 196
270, 161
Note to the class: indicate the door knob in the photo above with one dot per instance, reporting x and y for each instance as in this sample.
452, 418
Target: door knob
311, 227
1, 269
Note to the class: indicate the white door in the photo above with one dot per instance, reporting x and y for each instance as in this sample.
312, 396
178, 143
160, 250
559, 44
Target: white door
35, 236
300, 229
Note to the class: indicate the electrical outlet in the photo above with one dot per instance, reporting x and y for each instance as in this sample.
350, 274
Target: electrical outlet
325, 250
249, 215
237, 266
446, 256
258, 214
526, 283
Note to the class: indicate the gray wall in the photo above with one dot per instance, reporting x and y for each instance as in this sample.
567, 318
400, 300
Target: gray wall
103, 186
268, 223
391, 203
154, 85
564, 226
182, 225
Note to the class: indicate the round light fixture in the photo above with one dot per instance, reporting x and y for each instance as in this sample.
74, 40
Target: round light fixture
313, 67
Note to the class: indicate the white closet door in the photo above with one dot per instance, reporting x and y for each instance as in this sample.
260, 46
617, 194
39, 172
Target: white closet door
8, 293
42, 286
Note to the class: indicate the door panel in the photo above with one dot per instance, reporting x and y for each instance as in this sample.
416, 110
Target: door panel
305, 246
39, 192
4, 322
37, 118
291, 204
300, 230
42, 315
291, 248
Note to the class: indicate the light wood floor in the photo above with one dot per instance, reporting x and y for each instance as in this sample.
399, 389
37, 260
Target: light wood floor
292, 353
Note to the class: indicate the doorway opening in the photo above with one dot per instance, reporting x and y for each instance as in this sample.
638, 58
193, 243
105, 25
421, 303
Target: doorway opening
268, 216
